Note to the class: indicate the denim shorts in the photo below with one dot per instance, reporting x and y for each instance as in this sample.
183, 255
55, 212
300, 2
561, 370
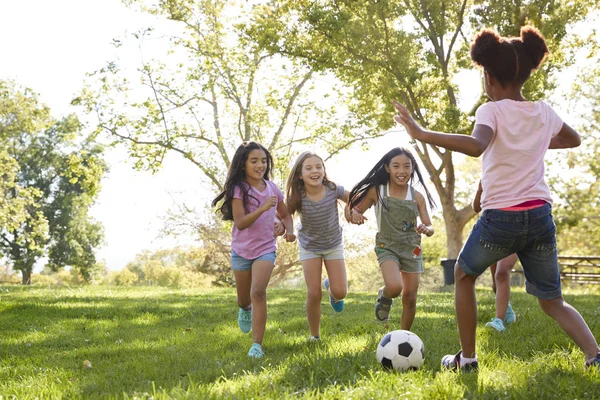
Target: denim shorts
337, 253
239, 263
531, 234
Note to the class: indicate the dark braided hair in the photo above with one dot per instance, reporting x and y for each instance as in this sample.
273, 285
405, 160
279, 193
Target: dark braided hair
509, 60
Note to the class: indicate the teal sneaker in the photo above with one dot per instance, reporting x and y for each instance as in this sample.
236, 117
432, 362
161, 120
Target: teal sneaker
245, 320
510, 316
337, 305
256, 351
496, 323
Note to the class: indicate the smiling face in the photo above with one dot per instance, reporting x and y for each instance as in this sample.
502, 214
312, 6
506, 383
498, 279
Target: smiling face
400, 169
313, 171
255, 166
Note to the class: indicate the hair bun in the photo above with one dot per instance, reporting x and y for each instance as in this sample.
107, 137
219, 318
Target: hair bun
534, 44
485, 47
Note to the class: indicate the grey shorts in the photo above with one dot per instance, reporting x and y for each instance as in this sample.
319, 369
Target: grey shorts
337, 253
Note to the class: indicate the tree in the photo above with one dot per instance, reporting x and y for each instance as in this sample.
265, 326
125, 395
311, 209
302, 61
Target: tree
56, 178
411, 50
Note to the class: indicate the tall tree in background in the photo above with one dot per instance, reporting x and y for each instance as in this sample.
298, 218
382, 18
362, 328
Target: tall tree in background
56, 177
411, 50
213, 87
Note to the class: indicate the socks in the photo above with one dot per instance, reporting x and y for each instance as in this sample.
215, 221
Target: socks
465, 360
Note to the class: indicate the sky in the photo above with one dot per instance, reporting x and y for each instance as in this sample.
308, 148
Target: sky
49, 46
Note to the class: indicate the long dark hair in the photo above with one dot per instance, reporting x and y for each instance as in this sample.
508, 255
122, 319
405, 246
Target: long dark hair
379, 176
295, 186
509, 60
236, 177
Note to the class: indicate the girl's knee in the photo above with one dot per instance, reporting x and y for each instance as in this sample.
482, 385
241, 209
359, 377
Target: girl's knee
258, 295
409, 300
394, 289
314, 295
339, 293
551, 306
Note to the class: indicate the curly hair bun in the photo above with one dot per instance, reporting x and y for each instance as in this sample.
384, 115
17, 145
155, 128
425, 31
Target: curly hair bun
534, 45
484, 48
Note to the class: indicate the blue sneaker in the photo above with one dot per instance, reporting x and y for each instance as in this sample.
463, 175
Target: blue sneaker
337, 305
256, 351
510, 316
245, 320
595, 363
496, 323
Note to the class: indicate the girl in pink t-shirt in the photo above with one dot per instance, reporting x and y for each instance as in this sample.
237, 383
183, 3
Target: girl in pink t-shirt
252, 201
513, 135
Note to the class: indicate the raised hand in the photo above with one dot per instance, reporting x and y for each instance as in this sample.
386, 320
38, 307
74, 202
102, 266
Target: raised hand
406, 119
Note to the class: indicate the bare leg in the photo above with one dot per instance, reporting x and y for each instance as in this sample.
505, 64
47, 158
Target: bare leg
409, 298
312, 275
392, 280
572, 323
502, 274
338, 282
466, 310
243, 282
261, 274
493, 272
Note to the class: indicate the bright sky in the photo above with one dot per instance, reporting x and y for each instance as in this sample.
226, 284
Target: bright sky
50, 45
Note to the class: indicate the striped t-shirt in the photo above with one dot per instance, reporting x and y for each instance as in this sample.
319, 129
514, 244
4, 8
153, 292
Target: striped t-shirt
319, 227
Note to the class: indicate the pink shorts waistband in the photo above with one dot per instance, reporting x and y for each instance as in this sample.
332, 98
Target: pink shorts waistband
528, 205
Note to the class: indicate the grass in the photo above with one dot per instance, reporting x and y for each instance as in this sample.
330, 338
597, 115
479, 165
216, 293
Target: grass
160, 343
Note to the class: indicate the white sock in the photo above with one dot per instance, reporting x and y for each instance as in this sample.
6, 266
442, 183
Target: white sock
465, 360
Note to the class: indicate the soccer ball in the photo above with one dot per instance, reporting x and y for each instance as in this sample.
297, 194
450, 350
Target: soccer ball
401, 350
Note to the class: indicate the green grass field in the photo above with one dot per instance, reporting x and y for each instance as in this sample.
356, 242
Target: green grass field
161, 343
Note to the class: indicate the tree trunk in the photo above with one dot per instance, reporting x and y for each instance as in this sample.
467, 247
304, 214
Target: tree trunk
26, 276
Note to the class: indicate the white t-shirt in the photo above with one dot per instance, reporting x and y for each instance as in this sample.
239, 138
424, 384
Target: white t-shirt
513, 163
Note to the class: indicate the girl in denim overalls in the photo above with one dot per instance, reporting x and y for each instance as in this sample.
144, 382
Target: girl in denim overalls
398, 242
512, 134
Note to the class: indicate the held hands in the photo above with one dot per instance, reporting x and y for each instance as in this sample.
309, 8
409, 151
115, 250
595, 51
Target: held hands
279, 228
289, 237
404, 117
354, 216
423, 229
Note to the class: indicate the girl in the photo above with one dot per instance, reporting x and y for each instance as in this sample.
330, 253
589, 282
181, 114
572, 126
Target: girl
314, 197
398, 243
500, 282
513, 134
251, 200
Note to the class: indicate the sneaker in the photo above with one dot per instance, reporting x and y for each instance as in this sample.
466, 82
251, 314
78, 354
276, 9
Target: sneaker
594, 363
383, 306
496, 323
245, 320
510, 316
314, 339
256, 351
452, 362
337, 305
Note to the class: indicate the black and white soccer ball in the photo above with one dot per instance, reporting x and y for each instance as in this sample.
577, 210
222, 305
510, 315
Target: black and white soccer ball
401, 350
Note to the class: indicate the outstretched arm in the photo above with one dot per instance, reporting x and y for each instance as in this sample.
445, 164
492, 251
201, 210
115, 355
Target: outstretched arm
473, 145
566, 138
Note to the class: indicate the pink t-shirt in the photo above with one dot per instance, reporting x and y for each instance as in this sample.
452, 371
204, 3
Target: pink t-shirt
259, 238
513, 164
